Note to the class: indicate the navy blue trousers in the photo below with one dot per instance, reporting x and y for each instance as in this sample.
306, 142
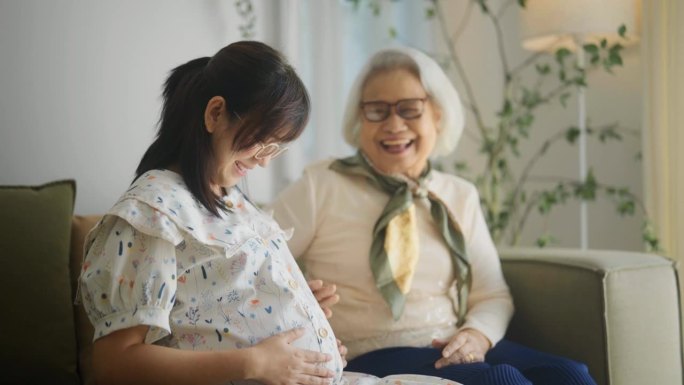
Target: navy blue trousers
507, 363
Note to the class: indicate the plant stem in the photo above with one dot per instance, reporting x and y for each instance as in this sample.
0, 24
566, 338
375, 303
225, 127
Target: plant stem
460, 69
462, 23
503, 8
523, 179
500, 45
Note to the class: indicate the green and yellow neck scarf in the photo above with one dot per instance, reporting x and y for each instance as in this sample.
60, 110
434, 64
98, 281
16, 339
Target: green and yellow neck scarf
394, 251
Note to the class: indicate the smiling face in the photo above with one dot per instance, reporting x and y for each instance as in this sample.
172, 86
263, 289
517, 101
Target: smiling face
231, 165
396, 144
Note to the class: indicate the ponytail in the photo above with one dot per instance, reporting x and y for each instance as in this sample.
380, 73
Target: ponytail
185, 97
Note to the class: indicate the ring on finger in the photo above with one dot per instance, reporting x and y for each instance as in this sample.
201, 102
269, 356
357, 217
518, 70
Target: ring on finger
470, 357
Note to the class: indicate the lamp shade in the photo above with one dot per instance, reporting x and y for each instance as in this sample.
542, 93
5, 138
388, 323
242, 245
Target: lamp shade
552, 24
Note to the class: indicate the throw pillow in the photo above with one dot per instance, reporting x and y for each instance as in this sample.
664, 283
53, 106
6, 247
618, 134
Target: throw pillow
39, 343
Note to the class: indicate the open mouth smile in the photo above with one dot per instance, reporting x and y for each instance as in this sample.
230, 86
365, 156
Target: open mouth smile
396, 146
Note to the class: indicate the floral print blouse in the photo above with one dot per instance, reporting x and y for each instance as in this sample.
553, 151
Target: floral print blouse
159, 258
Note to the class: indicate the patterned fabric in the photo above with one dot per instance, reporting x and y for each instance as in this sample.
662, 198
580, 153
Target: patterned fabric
394, 251
159, 258
354, 378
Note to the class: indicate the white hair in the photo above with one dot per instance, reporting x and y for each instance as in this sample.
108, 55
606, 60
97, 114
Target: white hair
435, 82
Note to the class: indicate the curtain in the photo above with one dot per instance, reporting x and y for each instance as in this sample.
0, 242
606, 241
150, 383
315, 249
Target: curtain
664, 121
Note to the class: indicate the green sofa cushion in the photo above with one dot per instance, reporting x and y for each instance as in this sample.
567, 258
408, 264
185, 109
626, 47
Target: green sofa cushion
39, 343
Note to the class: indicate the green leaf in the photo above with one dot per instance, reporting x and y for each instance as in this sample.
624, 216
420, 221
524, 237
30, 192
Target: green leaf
501, 164
429, 13
626, 207
543, 69
587, 190
523, 123
580, 81
392, 33
591, 49
375, 7
571, 134
461, 166
483, 5
617, 47
561, 54
609, 133
615, 58
604, 43
522, 3
487, 146
507, 109
622, 31
564, 98
530, 98
648, 235
355, 4
545, 240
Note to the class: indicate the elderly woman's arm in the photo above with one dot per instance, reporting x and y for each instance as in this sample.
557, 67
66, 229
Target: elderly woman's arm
490, 306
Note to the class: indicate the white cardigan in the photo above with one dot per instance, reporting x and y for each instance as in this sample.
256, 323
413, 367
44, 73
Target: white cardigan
333, 216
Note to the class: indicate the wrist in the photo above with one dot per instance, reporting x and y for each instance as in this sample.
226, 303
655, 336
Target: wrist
251, 367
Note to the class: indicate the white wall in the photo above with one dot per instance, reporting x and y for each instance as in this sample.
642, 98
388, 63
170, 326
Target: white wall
80, 85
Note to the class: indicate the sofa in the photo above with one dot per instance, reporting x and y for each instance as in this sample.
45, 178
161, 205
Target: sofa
616, 311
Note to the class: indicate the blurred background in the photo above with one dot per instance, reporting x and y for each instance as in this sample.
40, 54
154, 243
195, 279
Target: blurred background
80, 85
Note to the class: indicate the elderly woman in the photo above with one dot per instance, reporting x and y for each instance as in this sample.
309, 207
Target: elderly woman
407, 247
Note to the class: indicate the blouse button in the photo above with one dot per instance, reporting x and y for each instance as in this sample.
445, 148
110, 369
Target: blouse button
322, 332
293, 284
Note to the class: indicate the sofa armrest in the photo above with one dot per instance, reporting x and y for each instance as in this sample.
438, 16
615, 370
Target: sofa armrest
618, 312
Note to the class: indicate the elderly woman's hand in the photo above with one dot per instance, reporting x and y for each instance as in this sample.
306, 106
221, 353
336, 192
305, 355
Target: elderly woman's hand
343, 352
325, 295
467, 346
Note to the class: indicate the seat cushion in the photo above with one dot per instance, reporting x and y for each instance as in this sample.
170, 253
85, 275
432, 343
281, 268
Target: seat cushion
39, 343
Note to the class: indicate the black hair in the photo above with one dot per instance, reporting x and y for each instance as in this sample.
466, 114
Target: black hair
259, 87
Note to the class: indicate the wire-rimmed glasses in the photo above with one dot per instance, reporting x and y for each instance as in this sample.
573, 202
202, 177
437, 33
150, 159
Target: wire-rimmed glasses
271, 150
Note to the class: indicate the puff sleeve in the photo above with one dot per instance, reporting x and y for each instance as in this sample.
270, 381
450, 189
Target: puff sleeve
129, 275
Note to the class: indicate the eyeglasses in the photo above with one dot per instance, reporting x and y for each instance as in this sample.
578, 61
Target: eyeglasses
271, 150
377, 111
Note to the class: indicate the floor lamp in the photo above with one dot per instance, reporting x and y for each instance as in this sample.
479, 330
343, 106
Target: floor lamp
547, 25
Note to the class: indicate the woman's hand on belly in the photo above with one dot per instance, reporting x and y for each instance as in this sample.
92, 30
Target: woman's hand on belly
274, 361
325, 295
